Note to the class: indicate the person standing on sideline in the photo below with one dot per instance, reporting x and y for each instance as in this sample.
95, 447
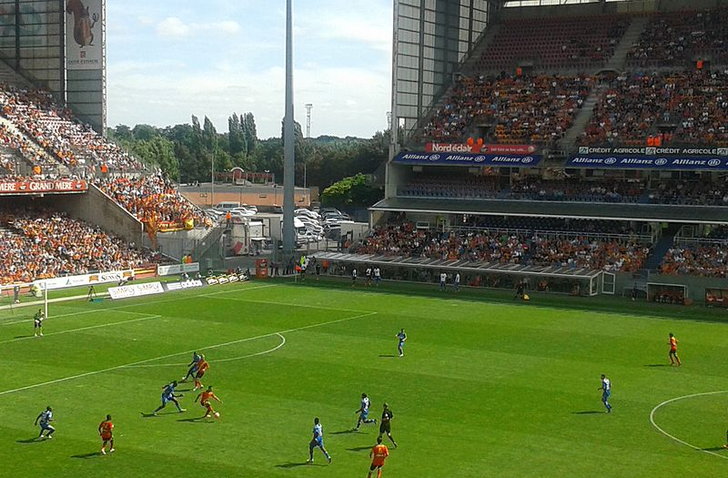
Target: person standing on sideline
317, 441
456, 282
520, 290
385, 426
353, 277
363, 412
672, 354
378, 454
377, 276
38, 323
45, 417
606, 388
106, 431
401, 337
443, 280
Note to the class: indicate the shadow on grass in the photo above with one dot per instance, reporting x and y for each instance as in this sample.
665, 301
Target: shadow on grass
86, 456
344, 432
30, 440
387, 355
297, 464
656, 365
22, 336
587, 412
714, 448
359, 448
195, 420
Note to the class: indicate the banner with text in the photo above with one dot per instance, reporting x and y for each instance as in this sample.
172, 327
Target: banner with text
178, 269
480, 148
710, 163
135, 290
33, 186
468, 159
84, 41
83, 280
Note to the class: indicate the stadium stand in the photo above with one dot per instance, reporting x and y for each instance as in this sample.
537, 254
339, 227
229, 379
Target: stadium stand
576, 42
37, 244
525, 109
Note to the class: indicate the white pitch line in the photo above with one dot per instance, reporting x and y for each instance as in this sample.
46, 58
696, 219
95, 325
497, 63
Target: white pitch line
652, 420
283, 342
18, 339
54, 317
118, 367
118, 308
287, 304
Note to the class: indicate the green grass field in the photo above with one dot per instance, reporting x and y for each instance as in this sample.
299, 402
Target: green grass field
488, 387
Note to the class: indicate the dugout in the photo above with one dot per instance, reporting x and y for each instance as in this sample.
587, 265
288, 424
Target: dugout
548, 279
715, 297
668, 293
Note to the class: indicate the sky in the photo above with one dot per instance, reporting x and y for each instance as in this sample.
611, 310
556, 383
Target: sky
168, 60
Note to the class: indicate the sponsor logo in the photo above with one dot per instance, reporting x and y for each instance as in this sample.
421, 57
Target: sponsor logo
527, 159
583, 149
714, 162
651, 150
610, 160
435, 157
660, 162
480, 159
722, 151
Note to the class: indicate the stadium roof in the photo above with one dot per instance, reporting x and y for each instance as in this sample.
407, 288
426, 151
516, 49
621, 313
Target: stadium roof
561, 209
543, 3
459, 265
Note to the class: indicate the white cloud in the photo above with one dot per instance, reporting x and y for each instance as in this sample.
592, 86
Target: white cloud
172, 27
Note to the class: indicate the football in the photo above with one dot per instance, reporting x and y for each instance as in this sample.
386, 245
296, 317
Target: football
217, 414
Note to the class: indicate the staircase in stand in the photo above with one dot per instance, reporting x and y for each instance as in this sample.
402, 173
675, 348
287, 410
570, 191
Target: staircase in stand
661, 247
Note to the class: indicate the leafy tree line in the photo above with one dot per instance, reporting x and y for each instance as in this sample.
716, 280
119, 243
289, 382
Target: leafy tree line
185, 153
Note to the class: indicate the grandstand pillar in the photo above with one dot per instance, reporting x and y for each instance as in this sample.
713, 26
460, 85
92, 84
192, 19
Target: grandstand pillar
289, 240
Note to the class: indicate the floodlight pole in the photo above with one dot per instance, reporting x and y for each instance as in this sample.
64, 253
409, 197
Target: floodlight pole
289, 151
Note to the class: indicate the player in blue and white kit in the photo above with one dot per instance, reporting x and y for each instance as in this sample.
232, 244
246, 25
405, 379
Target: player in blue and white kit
364, 412
45, 417
317, 441
168, 395
606, 389
402, 337
192, 366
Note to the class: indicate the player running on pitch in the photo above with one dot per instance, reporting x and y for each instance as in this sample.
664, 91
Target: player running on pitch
378, 454
38, 319
106, 429
317, 441
606, 388
45, 417
385, 426
204, 398
364, 412
192, 366
168, 395
672, 354
202, 367
401, 337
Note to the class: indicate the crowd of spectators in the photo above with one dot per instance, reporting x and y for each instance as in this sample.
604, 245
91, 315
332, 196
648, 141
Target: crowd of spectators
503, 247
41, 244
71, 143
690, 107
154, 201
521, 109
700, 259
679, 38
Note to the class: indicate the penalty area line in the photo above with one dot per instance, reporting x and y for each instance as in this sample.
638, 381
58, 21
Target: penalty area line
176, 354
672, 437
231, 359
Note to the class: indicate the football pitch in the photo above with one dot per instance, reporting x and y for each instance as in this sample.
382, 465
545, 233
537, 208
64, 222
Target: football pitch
487, 387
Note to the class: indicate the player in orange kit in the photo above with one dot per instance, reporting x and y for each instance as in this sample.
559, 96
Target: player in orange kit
379, 453
205, 398
202, 367
673, 351
106, 431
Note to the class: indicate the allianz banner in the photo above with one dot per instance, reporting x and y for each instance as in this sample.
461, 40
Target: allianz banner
710, 163
468, 159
